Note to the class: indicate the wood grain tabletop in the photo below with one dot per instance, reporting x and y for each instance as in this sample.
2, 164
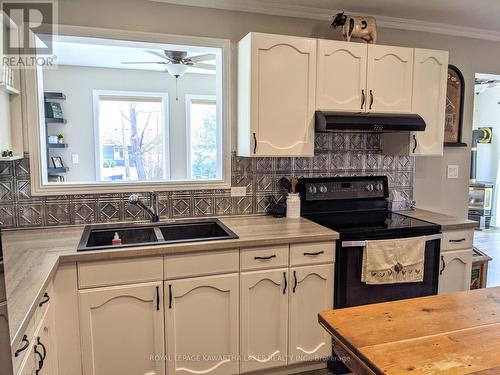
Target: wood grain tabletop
456, 333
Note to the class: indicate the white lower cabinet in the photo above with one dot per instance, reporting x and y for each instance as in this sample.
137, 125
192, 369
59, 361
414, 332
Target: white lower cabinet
45, 346
202, 325
263, 319
311, 291
29, 365
455, 271
122, 330
279, 316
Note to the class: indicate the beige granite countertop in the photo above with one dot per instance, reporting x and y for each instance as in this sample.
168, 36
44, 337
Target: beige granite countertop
32, 255
447, 222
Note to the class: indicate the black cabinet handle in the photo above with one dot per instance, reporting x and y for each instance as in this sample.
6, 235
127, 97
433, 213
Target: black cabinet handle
444, 265
46, 298
286, 284
265, 258
314, 254
40, 362
294, 281
157, 298
371, 99
24, 347
254, 143
170, 296
39, 343
415, 143
460, 240
362, 98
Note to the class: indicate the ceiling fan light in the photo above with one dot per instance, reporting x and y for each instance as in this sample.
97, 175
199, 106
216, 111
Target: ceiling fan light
176, 70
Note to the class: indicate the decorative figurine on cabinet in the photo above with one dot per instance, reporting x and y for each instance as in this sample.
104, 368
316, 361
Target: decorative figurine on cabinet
364, 28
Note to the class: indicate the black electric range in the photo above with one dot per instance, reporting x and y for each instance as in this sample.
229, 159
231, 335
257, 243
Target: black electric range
357, 208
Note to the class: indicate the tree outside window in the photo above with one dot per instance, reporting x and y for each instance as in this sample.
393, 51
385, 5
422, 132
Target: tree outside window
131, 134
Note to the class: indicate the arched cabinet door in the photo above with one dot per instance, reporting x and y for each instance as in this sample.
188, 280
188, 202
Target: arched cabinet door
429, 99
276, 95
455, 269
202, 325
264, 319
390, 79
122, 330
311, 291
341, 81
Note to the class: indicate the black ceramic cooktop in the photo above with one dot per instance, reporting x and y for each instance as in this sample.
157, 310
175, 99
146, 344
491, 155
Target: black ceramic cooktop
373, 224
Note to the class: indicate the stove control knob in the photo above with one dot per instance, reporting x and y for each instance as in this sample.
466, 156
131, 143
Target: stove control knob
312, 189
369, 187
379, 186
323, 189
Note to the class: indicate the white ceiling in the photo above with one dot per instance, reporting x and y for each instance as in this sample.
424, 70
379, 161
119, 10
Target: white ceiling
474, 18
111, 53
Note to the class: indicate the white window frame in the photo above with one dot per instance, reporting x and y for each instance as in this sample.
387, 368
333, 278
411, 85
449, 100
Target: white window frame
33, 116
97, 94
188, 99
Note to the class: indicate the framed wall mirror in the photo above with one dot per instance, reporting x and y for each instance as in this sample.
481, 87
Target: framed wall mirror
123, 111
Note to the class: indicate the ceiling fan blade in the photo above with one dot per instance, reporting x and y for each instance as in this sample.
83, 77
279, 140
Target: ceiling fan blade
201, 58
144, 62
204, 66
157, 54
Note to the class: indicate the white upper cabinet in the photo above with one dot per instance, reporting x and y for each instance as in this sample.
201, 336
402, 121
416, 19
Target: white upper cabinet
341, 80
389, 79
311, 291
202, 320
264, 319
276, 95
121, 328
430, 72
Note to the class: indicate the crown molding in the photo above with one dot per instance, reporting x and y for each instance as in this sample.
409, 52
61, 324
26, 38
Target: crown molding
321, 14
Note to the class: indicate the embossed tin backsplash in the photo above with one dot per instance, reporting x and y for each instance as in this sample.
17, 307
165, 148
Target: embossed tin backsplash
336, 154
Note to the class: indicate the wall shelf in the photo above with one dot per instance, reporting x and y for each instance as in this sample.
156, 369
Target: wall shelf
57, 145
10, 158
49, 96
57, 170
458, 144
55, 120
8, 89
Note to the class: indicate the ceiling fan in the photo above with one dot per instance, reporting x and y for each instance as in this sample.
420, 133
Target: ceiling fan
177, 62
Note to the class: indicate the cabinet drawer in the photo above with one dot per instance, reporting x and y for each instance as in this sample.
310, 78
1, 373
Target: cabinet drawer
43, 303
203, 263
123, 271
457, 239
253, 258
19, 344
312, 253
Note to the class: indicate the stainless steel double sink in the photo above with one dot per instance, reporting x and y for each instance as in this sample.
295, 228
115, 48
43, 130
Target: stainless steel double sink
98, 237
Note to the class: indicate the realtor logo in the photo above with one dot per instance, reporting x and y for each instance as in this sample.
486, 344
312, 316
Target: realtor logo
25, 19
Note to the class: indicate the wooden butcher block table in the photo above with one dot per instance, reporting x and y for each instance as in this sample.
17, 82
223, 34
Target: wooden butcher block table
457, 333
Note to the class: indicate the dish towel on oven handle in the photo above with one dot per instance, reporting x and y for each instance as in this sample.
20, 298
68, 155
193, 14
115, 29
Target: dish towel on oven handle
393, 261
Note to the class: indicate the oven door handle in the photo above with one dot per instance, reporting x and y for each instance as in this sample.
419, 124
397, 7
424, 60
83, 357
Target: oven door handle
432, 237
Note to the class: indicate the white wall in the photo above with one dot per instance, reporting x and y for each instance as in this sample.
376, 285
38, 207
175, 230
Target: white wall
77, 83
487, 114
432, 188
5, 132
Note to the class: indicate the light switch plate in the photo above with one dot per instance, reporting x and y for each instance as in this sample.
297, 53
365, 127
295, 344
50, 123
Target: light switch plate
75, 158
238, 191
452, 171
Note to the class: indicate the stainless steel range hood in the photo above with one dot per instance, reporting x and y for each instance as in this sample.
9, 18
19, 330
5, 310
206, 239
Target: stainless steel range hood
378, 122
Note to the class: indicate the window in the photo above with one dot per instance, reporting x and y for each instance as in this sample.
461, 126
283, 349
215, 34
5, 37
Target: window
202, 137
131, 132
